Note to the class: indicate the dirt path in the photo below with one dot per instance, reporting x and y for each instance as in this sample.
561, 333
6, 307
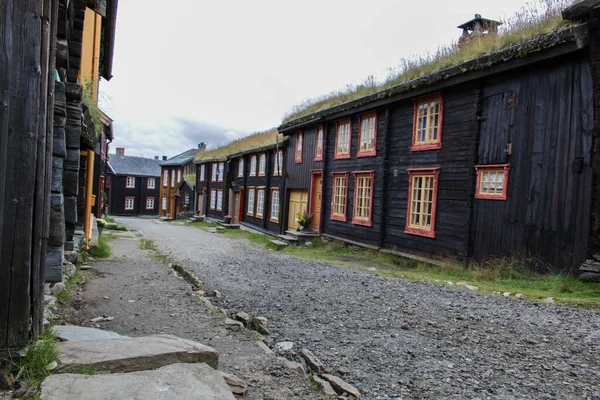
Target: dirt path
394, 337
144, 297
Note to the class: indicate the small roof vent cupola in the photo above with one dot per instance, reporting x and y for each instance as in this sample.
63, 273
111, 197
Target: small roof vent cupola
477, 28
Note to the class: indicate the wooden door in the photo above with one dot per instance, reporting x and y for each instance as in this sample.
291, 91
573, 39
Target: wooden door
236, 208
200, 204
315, 208
172, 206
298, 203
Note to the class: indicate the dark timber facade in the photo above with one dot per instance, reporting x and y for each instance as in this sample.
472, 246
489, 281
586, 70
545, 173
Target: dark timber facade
493, 162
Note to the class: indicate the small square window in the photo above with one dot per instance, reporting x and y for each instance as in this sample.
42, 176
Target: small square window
492, 181
149, 203
151, 184
427, 129
129, 202
130, 183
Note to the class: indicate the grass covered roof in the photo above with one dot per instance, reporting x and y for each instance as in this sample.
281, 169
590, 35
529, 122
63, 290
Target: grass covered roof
254, 141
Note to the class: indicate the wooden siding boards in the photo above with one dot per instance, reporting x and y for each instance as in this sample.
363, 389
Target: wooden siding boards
140, 192
299, 173
348, 230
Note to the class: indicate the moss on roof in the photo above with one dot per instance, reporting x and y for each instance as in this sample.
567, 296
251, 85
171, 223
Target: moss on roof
527, 25
252, 141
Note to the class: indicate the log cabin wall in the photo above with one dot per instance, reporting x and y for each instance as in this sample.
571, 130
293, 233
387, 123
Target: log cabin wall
298, 174
546, 114
221, 184
347, 229
140, 193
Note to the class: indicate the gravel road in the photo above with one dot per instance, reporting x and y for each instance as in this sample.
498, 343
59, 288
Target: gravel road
395, 337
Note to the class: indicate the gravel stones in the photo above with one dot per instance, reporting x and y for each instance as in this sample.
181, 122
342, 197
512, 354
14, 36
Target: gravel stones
312, 361
341, 386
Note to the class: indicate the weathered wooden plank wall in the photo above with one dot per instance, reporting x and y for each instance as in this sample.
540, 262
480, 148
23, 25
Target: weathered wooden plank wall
26, 53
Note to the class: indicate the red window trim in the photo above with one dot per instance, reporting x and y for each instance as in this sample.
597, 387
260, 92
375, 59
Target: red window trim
217, 200
275, 220
210, 206
430, 146
298, 151
435, 171
357, 174
319, 127
154, 203
361, 117
127, 182
337, 156
133, 207
343, 218
504, 195
148, 183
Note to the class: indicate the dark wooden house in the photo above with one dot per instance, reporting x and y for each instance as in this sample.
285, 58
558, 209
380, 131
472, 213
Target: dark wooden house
212, 183
172, 173
185, 198
134, 187
491, 158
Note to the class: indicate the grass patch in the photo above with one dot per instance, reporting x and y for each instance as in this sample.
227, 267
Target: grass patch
146, 244
102, 250
74, 279
536, 18
253, 141
35, 366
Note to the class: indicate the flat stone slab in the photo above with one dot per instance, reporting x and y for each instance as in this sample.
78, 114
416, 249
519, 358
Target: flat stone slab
288, 238
134, 354
279, 243
173, 382
76, 333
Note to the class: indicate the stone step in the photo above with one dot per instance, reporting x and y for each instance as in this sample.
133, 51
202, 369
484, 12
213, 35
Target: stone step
172, 382
288, 238
279, 243
134, 354
229, 226
76, 333
302, 234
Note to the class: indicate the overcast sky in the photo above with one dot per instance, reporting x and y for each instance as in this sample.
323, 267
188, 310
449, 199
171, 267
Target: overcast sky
191, 71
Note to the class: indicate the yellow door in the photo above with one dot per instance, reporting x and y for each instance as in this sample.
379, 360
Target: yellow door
200, 205
316, 202
298, 204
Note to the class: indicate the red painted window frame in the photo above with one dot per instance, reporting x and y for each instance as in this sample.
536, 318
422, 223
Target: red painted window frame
367, 115
504, 195
417, 103
435, 171
217, 200
299, 147
153, 202
148, 183
359, 221
210, 205
127, 186
337, 156
319, 142
332, 216
133, 206
276, 220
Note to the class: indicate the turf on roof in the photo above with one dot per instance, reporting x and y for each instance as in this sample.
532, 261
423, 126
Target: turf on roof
253, 141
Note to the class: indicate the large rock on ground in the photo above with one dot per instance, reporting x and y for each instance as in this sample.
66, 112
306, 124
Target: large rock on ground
135, 354
173, 382
73, 333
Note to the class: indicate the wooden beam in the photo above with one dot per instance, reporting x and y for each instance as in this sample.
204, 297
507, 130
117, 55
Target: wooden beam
582, 11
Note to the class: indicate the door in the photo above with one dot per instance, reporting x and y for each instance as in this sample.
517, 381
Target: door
315, 207
236, 208
172, 206
200, 204
298, 204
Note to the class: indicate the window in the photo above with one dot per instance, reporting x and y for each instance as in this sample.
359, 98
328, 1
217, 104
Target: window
149, 203
422, 191
319, 143
342, 140
427, 131
260, 203
253, 166
262, 164
368, 135
278, 161
274, 205
492, 181
164, 203
221, 171
251, 194
165, 178
202, 172
172, 178
241, 167
130, 182
178, 175
213, 199
214, 172
340, 196
219, 200
151, 184
363, 197
186, 199
129, 201
299, 140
